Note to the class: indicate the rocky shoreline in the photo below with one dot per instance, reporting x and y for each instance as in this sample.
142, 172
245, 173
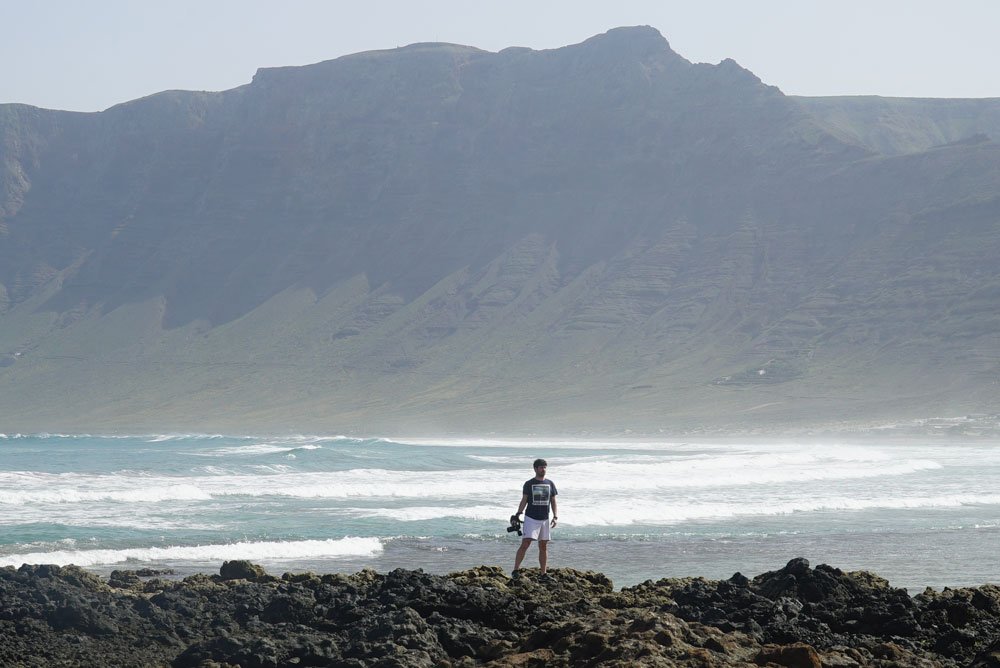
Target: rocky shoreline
794, 616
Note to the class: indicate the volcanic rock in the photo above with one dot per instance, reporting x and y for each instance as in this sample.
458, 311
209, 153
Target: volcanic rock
796, 616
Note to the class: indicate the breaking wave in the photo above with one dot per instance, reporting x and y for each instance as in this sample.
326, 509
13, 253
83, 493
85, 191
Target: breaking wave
260, 551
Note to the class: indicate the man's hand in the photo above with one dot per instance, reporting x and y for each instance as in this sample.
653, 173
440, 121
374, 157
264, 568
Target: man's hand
553, 523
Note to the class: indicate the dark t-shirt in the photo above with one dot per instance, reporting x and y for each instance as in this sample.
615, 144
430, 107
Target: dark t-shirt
539, 493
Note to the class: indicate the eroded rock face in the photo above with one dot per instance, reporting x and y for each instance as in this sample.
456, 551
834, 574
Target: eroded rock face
795, 616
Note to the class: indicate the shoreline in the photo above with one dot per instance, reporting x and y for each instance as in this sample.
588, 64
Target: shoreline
909, 560
797, 615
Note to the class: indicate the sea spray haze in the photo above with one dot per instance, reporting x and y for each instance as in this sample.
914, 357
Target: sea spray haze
439, 239
918, 512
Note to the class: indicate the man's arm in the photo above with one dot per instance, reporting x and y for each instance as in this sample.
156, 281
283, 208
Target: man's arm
524, 502
555, 513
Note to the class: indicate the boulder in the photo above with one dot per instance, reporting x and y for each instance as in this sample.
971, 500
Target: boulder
239, 569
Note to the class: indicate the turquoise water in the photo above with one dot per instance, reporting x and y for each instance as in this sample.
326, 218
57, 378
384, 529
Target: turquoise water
918, 513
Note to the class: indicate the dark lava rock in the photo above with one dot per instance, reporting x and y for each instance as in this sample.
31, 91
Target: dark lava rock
238, 569
794, 616
827, 608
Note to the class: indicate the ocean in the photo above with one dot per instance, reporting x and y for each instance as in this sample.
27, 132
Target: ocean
919, 513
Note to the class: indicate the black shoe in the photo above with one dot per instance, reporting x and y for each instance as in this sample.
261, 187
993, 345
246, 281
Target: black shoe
516, 573
545, 577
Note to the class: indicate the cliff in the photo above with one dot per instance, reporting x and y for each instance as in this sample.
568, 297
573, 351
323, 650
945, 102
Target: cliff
436, 238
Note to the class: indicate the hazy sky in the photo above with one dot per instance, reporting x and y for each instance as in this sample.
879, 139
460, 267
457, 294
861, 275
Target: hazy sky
89, 55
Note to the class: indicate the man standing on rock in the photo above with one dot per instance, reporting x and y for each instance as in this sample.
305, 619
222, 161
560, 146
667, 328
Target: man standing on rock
537, 495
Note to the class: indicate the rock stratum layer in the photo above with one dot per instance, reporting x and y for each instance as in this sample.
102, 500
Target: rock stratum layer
795, 616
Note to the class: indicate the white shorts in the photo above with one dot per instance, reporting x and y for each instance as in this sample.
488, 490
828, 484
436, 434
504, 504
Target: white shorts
535, 529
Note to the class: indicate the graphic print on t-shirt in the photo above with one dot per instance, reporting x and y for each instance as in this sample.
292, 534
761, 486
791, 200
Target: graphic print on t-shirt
540, 495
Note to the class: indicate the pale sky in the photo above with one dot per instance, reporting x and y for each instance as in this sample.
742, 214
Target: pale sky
87, 55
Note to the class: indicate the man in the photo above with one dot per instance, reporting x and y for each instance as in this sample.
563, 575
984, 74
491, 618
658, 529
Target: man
537, 495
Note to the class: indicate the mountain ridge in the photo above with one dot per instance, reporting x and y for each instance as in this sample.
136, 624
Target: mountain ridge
597, 238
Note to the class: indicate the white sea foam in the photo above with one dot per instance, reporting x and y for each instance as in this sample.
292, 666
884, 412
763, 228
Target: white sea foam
268, 469
139, 493
114, 517
733, 470
260, 551
19, 488
497, 460
213, 470
43, 436
587, 512
269, 447
539, 445
518, 461
424, 513
636, 474
629, 511
251, 450
164, 438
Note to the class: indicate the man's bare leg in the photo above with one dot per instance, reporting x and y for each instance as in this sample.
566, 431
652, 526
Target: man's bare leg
543, 554
521, 551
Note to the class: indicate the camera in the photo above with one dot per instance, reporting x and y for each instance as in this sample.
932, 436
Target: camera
515, 525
